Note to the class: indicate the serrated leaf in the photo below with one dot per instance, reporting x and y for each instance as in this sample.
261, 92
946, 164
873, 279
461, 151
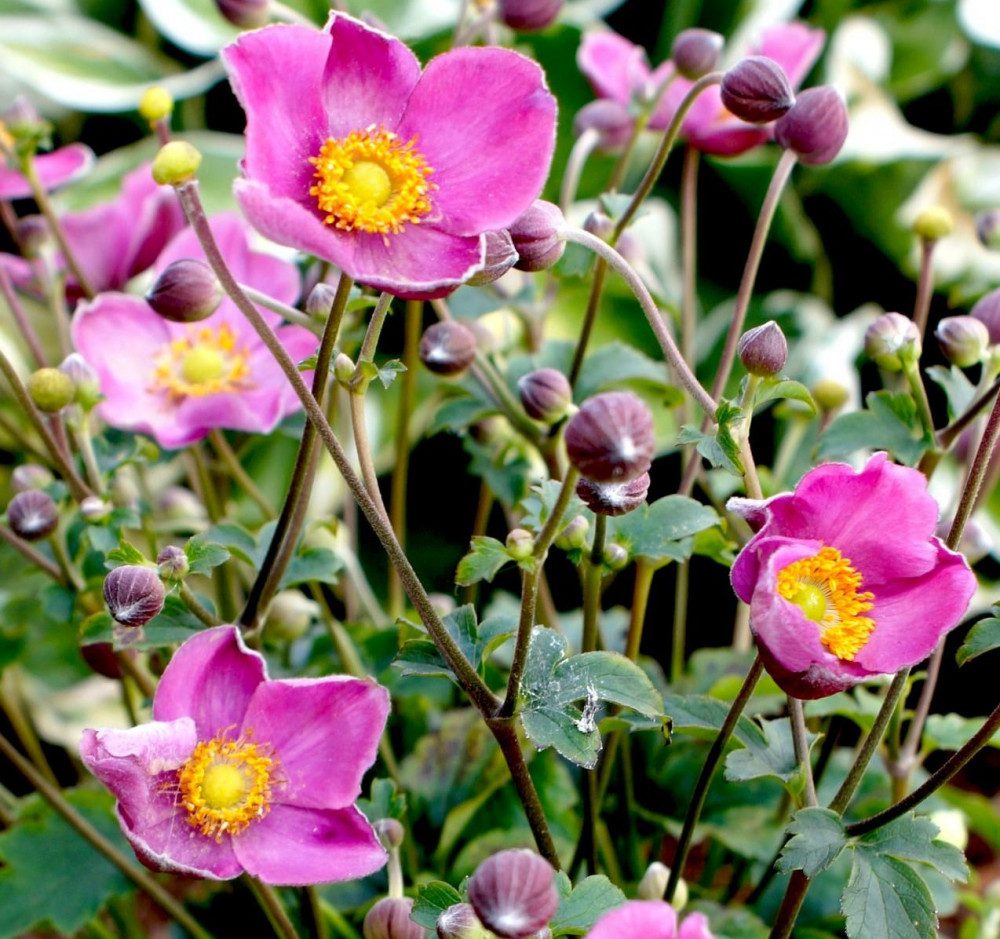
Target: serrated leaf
538, 505
561, 728
660, 532
887, 898
476, 640
122, 555
888, 423
610, 676
384, 801
432, 900
238, 541
701, 712
312, 565
914, 838
203, 555
614, 364
773, 756
717, 448
388, 371
481, 563
584, 905
817, 840
984, 636
953, 731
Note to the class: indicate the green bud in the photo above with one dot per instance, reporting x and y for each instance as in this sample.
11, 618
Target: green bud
574, 535
933, 223
343, 368
51, 390
176, 163
520, 544
829, 395
156, 104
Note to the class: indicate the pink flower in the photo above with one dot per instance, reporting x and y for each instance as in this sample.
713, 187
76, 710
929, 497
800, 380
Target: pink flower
238, 772
54, 170
176, 382
393, 174
845, 578
650, 919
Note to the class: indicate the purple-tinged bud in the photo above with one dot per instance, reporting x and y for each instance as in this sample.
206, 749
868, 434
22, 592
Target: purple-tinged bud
763, 350
545, 394
172, 563
696, 52
29, 476
529, 16
247, 14
615, 556
320, 302
892, 342
611, 120
134, 594
95, 509
186, 292
448, 347
964, 340
501, 256
756, 90
32, 514
536, 237
390, 832
289, 616
599, 225
610, 439
987, 311
101, 658
178, 503
460, 922
613, 498
520, 544
816, 127
988, 229
85, 379
50, 389
514, 893
32, 235
574, 536
390, 919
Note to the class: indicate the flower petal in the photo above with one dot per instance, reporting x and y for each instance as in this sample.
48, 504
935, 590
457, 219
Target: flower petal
614, 66
54, 170
651, 919
794, 46
295, 846
325, 731
695, 926
99, 240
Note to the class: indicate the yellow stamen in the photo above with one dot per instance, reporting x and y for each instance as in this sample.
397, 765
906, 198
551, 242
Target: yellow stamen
371, 181
204, 362
826, 588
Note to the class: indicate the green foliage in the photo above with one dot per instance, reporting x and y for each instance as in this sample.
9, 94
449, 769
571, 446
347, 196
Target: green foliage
174, 624
720, 447
581, 906
818, 838
476, 640
481, 563
432, 900
888, 423
983, 637
773, 754
662, 532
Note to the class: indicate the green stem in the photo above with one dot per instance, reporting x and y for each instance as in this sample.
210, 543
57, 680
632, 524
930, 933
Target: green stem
800, 742
195, 606
34, 556
583, 147
21, 319
11, 704
316, 914
283, 310
272, 906
679, 643
925, 285
592, 587
644, 572
689, 253
232, 463
916, 383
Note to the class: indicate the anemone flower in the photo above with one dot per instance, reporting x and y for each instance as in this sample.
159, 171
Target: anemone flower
651, 919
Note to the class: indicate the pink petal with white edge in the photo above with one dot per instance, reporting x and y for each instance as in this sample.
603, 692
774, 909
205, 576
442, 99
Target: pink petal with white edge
293, 846
650, 919
485, 121
614, 66
325, 732
211, 679
54, 169
695, 926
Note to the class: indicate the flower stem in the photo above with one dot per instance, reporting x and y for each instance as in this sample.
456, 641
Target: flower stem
916, 383
583, 147
592, 587
36, 557
689, 252
21, 318
925, 285
283, 310
11, 703
680, 621
195, 606
644, 572
232, 462
800, 742
272, 906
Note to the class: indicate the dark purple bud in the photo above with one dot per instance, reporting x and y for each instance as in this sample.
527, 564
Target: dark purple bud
816, 127
529, 16
613, 498
501, 256
610, 439
101, 658
756, 90
987, 311
172, 563
963, 340
32, 514
892, 342
545, 394
247, 14
134, 594
32, 235
448, 347
610, 119
763, 350
390, 919
696, 52
187, 291
29, 476
460, 922
514, 893
988, 229
536, 237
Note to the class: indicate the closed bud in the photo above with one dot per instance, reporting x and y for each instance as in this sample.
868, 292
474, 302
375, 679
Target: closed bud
520, 544
343, 368
390, 832
829, 395
611, 120
289, 615
101, 658
599, 225
610, 439
29, 476
964, 340
247, 14
988, 229
756, 90
987, 311
172, 563
320, 302
447, 348
500, 257
696, 52
95, 509
26, 127
763, 350
51, 390
933, 223
574, 536
615, 556
32, 235
892, 342
186, 292
176, 163
536, 237
180, 504
952, 827
816, 127
443, 603
32, 514
459, 921
529, 16
125, 487
653, 884
390, 919
86, 383
156, 104
545, 394
514, 893
134, 594
613, 498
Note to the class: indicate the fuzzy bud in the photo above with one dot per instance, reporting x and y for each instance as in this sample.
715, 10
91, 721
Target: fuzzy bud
756, 90
247, 14
29, 476
390, 832
816, 127
50, 389
86, 382
964, 340
32, 235
289, 615
613, 498
892, 342
696, 52
987, 311
134, 594
501, 256
610, 119
186, 292
390, 919
536, 237
616, 556
320, 302
32, 514
933, 223
156, 104
574, 536
172, 563
545, 394
529, 16
988, 229
448, 348
460, 922
520, 544
176, 163
610, 439
26, 127
95, 509
829, 395
514, 893
763, 350
343, 368
599, 225
178, 504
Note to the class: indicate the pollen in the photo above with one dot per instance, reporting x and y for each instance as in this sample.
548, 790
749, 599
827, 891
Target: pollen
206, 361
225, 786
827, 588
372, 181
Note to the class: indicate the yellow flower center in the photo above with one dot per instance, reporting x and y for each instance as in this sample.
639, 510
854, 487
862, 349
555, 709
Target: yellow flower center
371, 181
826, 588
204, 362
225, 786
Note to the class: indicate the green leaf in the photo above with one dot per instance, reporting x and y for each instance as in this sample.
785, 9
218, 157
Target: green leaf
983, 637
615, 363
582, 906
773, 390
914, 838
238, 541
700, 712
203, 554
953, 731
482, 563
887, 898
174, 624
476, 640
660, 532
124, 554
432, 900
457, 414
610, 676
384, 801
719, 448
538, 505
388, 371
772, 756
957, 388
817, 840
889, 423
564, 730
193, 25
312, 565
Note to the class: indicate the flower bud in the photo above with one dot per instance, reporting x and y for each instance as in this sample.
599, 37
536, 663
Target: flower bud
32, 235
829, 395
933, 223
545, 394
134, 594
86, 382
892, 342
610, 439
320, 302
988, 229
448, 347
529, 16
95, 509
289, 615
987, 311
247, 14
32, 514
756, 90
50, 389
696, 52
101, 658
29, 476
390, 832
186, 292
343, 368
952, 827
172, 563
536, 237
610, 119
390, 919
520, 544
616, 556
26, 127
613, 498
501, 256
178, 503
125, 487
460, 922
443, 603
574, 535
654, 882
156, 104
964, 340
513, 893
763, 350
816, 127
176, 163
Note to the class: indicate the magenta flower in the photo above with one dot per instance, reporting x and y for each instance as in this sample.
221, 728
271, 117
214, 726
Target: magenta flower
54, 169
393, 174
651, 919
845, 578
176, 382
238, 773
